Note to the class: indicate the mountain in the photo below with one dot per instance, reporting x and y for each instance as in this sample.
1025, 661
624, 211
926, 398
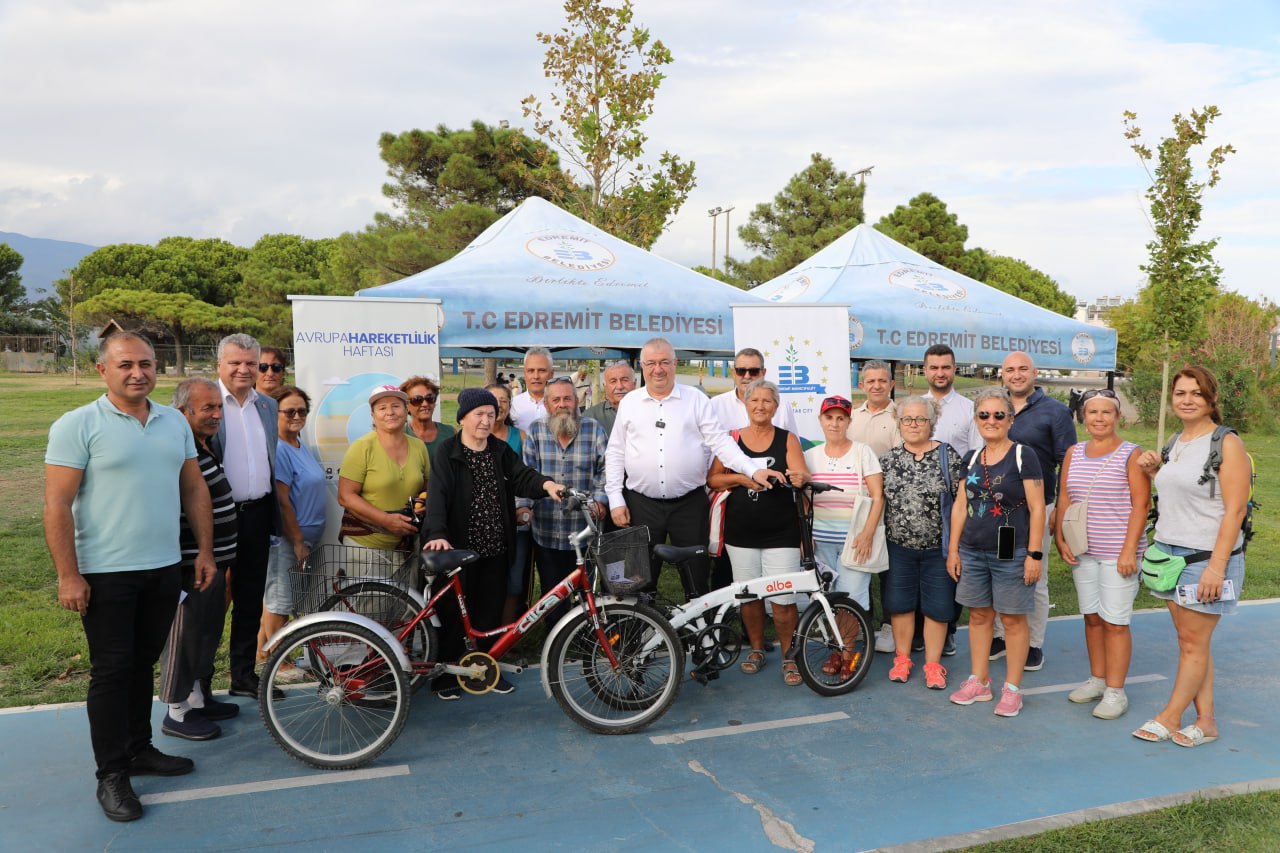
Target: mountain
44, 261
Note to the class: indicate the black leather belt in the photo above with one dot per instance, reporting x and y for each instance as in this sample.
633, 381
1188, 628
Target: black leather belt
245, 506
666, 500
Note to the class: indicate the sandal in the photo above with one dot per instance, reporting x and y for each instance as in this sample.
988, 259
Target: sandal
1152, 731
791, 673
754, 663
1191, 736
834, 664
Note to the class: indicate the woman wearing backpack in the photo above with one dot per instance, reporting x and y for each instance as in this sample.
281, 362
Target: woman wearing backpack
1200, 517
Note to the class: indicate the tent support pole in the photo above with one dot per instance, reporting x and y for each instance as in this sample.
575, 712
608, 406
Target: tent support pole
1111, 380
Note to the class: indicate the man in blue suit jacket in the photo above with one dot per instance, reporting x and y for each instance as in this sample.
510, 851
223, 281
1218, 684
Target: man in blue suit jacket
246, 445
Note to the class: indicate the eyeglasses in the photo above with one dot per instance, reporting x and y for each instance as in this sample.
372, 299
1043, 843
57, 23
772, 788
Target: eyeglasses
294, 413
274, 367
914, 421
419, 399
650, 365
998, 415
1098, 392
748, 371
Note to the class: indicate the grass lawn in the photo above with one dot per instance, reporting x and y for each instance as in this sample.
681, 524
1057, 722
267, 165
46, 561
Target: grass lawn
43, 657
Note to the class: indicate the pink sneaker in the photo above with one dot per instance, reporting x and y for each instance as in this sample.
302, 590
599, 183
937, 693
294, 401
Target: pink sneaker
935, 676
1010, 702
972, 691
901, 670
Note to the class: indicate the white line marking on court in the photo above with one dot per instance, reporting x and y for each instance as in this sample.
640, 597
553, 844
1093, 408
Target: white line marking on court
333, 778
747, 728
1063, 688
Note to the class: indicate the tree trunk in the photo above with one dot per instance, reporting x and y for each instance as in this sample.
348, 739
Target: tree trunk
179, 362
490, 370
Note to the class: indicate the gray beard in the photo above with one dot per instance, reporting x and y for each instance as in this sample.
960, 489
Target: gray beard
564, 424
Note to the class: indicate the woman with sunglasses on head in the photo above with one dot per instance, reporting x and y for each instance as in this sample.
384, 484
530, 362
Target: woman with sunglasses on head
302, 493
1200, 518
1103, 472
272, 366
995, 550
917, 494
423, 393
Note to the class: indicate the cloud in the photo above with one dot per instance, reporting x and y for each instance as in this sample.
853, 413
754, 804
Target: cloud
136, 120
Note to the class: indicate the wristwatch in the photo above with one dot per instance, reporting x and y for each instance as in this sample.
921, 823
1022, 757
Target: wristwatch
1036, 555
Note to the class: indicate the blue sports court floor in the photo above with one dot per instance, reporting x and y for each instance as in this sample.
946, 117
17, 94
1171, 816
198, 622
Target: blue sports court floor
743, 764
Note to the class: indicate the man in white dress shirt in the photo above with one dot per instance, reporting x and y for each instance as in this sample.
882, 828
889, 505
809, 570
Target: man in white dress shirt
730, 408
955, 412
532, 405
655, 466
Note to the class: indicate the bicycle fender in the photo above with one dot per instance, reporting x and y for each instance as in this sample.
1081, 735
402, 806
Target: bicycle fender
823, 601
352, 618
562, 625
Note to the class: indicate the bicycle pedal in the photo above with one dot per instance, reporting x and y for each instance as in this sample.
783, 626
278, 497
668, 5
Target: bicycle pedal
514, 668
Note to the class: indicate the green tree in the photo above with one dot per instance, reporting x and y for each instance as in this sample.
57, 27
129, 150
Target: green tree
1182, 276
606, 71
818, 205
495, 168
279, 265
11, 290
176, 316
925, 225
1019, 278
207, 269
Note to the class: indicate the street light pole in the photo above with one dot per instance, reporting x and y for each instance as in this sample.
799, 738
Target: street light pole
713, 213
727, 211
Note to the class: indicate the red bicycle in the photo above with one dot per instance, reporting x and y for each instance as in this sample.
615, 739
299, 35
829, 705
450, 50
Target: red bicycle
337, 683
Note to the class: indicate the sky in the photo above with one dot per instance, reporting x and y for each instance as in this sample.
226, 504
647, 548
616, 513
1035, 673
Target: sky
132, 121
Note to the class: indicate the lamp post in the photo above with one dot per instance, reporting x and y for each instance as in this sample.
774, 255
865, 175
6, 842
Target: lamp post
726, 212
713, 213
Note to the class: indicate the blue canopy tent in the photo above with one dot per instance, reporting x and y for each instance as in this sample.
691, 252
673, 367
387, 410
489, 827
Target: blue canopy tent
540, 276
901, 303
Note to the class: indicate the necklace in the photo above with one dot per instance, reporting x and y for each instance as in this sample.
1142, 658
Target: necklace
999, 507
1180, 446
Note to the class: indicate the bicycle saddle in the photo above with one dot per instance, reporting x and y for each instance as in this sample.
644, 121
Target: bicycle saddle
673, 554
435, 562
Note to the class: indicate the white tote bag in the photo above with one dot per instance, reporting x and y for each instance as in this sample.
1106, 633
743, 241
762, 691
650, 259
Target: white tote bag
878, 560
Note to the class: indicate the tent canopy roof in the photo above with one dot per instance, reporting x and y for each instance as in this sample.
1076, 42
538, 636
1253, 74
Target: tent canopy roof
541, 276
901, 303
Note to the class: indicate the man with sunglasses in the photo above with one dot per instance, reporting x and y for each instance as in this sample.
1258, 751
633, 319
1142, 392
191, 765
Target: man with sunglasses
731, 407
1043, 424
272, 366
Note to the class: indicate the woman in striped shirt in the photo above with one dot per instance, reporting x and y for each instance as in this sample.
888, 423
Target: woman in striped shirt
1104, 472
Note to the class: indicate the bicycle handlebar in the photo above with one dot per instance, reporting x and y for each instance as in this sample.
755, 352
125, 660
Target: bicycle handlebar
814, 486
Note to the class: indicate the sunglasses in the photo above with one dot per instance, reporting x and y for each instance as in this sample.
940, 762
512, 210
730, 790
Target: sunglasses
1000, 415
274, 367
838, 401
294, 413
748, 371
1098, 392
914, 421
419, 399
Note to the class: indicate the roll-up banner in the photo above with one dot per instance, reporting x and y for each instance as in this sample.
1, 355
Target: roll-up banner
343, 348
806, 354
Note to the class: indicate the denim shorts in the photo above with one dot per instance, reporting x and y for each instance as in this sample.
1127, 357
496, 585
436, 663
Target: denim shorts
1101, 589
919, 579
277, 595
989, 582
1192, 573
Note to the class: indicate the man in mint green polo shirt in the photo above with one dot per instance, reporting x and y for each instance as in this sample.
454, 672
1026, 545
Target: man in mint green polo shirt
117, 471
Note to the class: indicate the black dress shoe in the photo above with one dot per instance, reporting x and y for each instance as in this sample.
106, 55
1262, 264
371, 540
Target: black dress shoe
116, 796
152, 762
216, 710
249, 689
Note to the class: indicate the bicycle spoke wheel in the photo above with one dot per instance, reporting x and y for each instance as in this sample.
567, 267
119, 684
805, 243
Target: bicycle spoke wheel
834, 661
616, 699
333, 695
393, 608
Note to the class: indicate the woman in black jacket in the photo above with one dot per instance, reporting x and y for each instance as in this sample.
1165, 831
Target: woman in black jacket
475, 479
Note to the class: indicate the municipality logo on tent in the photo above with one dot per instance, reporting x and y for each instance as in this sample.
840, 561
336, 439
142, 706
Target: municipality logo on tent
789, 290
1083, 348
571, 252
927, 283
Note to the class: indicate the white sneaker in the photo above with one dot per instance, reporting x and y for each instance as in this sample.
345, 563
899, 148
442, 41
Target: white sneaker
1114, 703
884, 639
1091, 691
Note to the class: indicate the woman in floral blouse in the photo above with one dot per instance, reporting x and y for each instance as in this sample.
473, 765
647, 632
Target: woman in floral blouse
919, 500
